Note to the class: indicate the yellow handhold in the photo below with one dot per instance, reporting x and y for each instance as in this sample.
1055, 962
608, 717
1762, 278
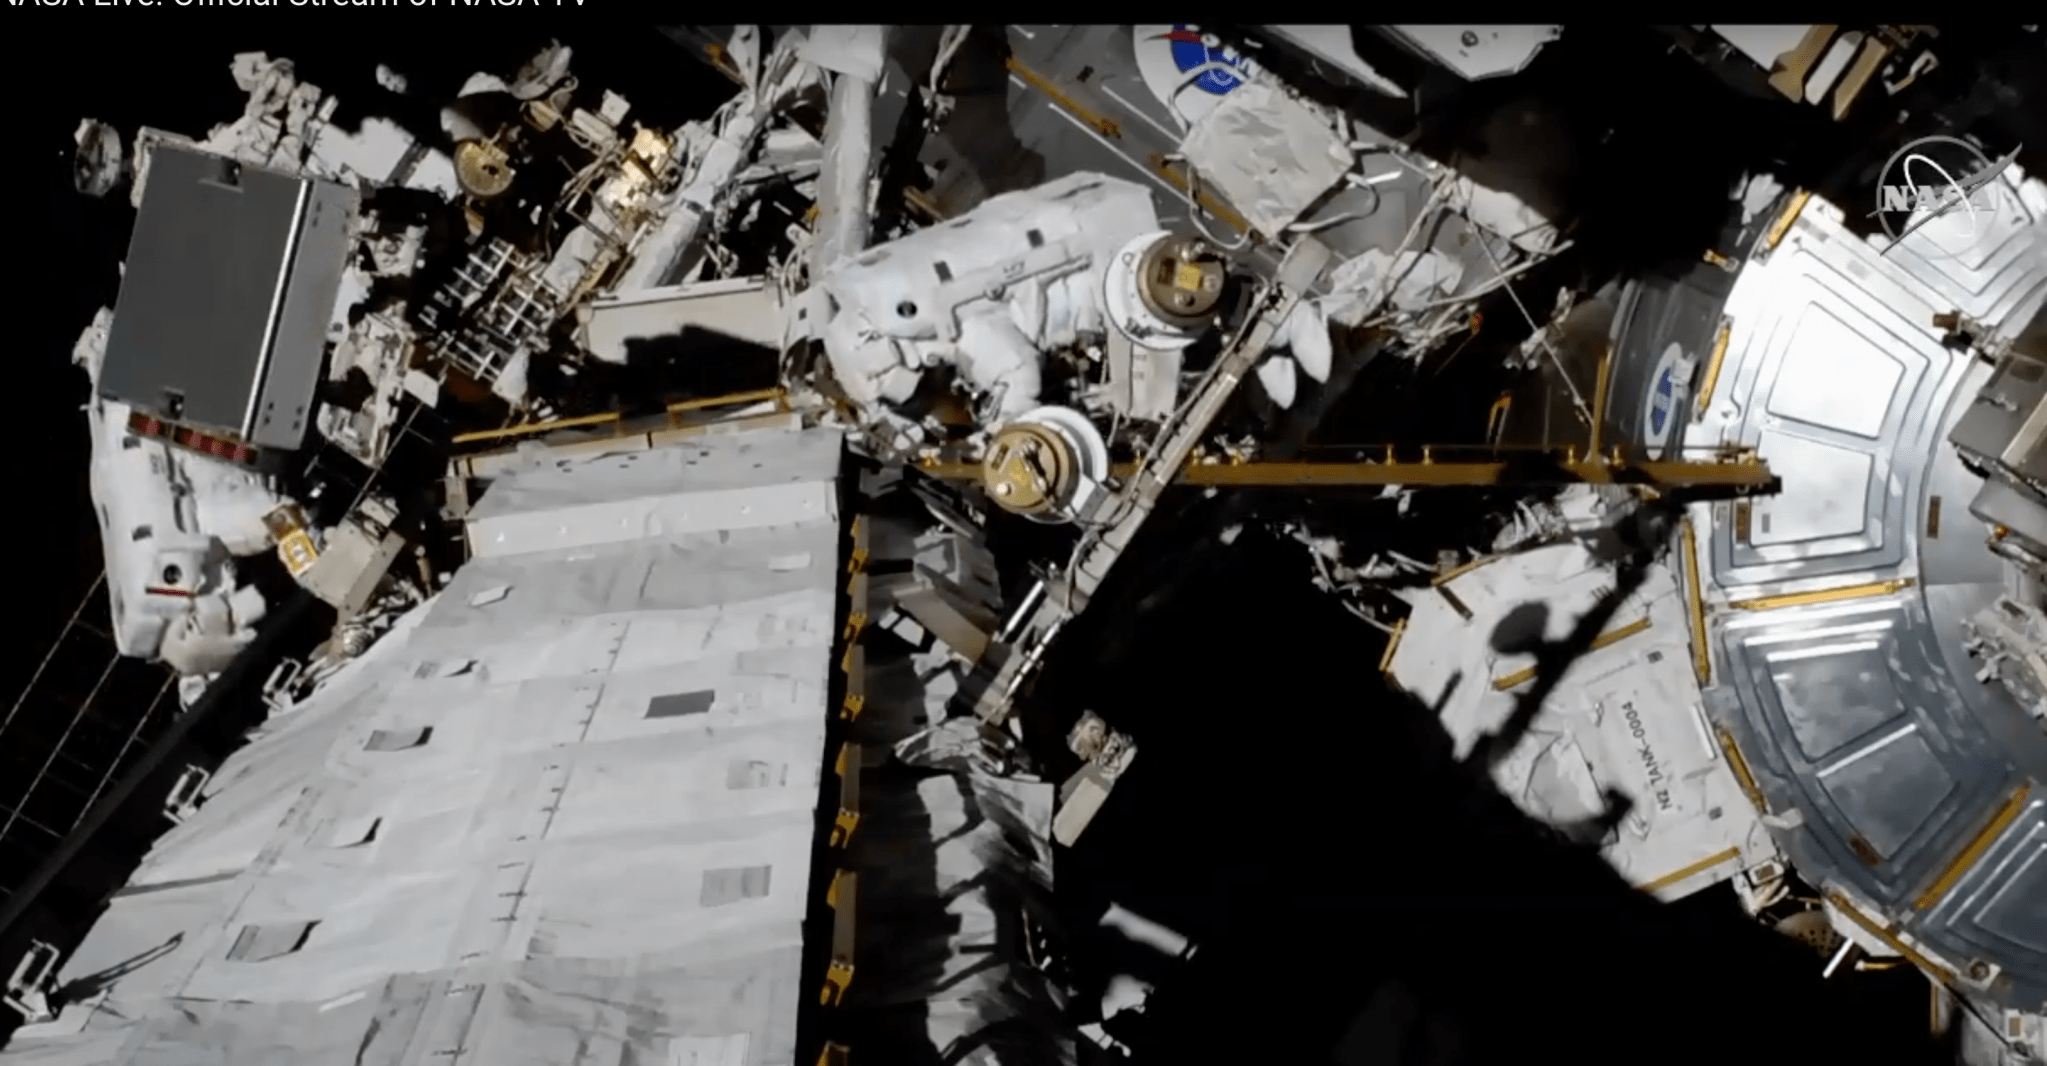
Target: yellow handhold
843, 826
836, 980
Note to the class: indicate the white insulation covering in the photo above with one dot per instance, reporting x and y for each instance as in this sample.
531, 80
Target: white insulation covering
601, 851
1268, 153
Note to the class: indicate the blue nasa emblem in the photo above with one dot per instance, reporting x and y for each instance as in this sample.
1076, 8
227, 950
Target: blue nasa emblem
1661, 399
1660, 406
1190, 53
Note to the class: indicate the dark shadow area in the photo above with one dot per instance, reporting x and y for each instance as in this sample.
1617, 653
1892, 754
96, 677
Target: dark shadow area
1522, 632
1981, 86
1444, 398
90, 985
908, 922
914, 973
1352, 885
902, 925
1286, 432
899, 140
1631, 136
1604, 129
2004, 90
692, 364
977, 155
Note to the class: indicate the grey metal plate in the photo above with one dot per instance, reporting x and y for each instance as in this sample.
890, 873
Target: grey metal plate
201, 275
1862, 730
292, 376
1836, 373
1866, 715
218, 246
1999, 910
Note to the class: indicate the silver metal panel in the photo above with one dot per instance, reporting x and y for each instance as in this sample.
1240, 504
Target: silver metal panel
1865, 716
1958, 576
2000, 503
2006, 401
1830, 701
228, 286
741, 308
1834, 371
1999, 910
1331, 44
771, 458
283, 404
1991, 705
1855, 722
203, 266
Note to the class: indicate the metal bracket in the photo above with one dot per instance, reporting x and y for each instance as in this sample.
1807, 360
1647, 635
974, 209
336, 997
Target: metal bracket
183, 801
28, 989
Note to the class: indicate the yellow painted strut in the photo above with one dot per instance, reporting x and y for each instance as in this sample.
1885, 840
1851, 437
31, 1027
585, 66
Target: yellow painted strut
1746, 473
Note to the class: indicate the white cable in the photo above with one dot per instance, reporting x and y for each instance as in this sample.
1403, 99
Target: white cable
1577, 398
1410, 563
936, 106
1198, 73
1491, 286
1396, 151
949, 46
1363, 616
1321, 224
1355, 181
1394, 275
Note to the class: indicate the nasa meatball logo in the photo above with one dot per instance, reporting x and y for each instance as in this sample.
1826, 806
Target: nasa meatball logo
1188, 70
1192, 50
1943, 190
1661, 407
